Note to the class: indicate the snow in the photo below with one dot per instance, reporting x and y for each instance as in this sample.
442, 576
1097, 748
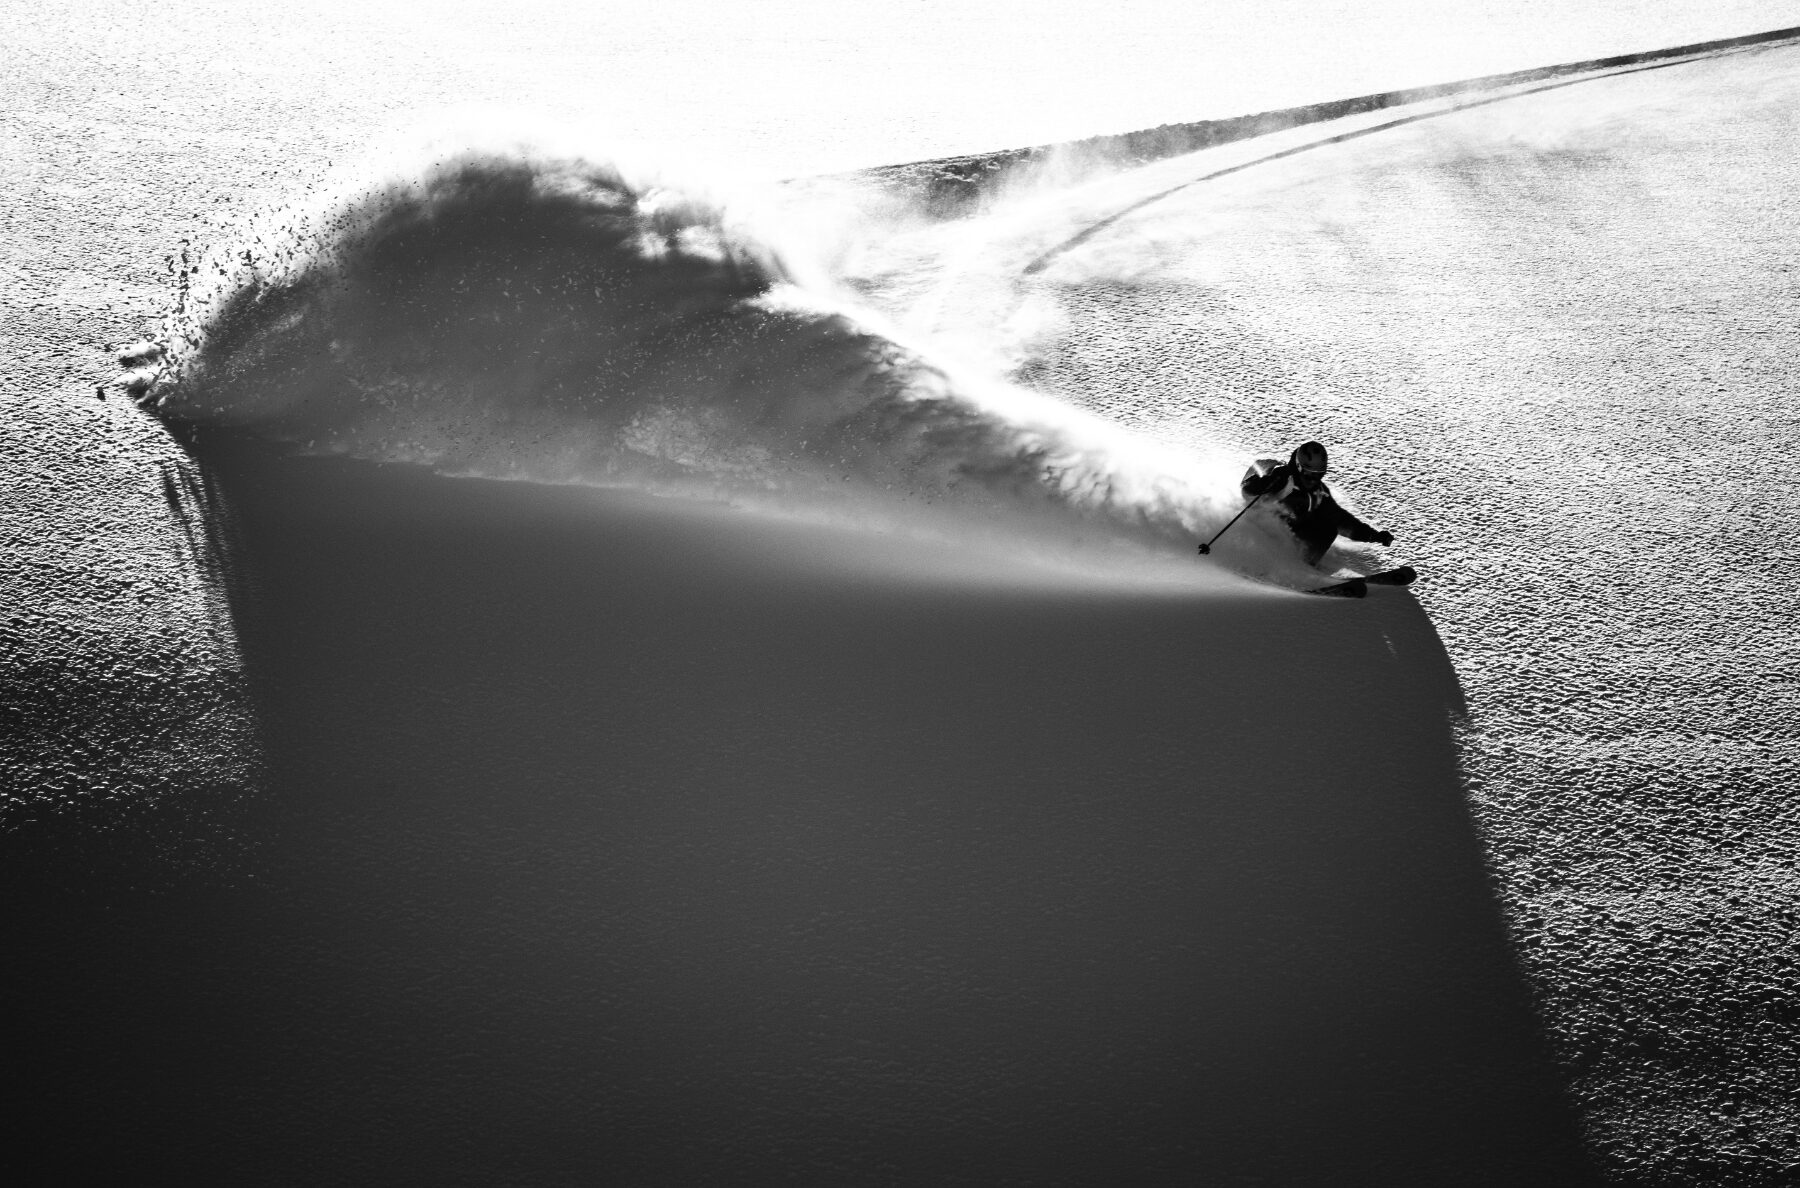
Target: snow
686, 842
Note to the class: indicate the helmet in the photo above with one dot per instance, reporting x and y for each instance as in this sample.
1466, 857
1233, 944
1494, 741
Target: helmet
1310, 456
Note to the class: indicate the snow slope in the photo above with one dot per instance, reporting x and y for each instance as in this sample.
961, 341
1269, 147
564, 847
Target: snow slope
597, 834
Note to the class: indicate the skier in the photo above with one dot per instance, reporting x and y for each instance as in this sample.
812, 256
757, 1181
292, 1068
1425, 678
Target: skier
1298, 491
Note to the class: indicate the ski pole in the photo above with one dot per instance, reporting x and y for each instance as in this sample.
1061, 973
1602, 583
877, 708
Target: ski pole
1207, 547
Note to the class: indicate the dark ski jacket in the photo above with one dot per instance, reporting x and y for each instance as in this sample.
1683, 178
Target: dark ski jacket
1315, 517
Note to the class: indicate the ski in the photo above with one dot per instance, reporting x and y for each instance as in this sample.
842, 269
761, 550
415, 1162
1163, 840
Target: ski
1354, 588
1358, 587
1403, 575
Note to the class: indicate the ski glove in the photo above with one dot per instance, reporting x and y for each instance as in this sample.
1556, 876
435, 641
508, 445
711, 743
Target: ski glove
1384, 538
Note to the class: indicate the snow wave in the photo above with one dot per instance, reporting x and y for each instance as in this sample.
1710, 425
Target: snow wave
555, 319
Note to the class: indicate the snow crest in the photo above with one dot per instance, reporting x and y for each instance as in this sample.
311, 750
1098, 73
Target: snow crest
559, 319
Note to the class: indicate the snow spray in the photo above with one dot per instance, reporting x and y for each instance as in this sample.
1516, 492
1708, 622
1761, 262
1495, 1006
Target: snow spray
560, 319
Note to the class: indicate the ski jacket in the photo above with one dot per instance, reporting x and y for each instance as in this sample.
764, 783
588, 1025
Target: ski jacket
1315, 517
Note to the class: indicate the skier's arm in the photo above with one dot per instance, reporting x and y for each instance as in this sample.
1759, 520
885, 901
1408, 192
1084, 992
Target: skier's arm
1257, 481
1355, 529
